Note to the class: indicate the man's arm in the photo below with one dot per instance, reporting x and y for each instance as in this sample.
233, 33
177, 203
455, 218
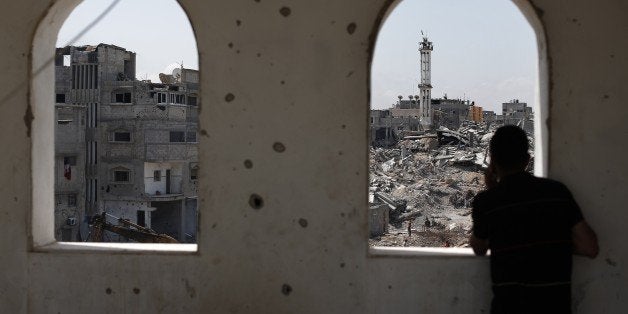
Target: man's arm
584, 240
480, 246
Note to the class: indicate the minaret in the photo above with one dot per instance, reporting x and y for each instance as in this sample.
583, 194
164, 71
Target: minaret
425, 86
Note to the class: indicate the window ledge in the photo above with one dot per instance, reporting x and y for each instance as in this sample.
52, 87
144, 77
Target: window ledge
382, 251
112, 247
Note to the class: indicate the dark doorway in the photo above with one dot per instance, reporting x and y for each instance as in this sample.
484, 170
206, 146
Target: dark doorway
166, 218
141, 218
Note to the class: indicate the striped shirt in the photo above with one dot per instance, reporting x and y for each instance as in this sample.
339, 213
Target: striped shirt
527, 221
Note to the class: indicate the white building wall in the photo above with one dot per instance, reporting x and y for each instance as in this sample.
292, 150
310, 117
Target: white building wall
176, 176
261, 260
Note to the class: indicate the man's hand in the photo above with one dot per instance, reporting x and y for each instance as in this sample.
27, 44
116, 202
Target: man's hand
584, 240
480, 246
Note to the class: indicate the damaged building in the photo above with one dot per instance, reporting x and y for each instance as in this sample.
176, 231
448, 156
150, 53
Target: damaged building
123, 146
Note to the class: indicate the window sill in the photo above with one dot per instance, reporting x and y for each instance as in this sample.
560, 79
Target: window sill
111, 247
382, 251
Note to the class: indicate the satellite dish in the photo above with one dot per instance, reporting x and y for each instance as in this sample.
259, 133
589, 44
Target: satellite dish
176, 73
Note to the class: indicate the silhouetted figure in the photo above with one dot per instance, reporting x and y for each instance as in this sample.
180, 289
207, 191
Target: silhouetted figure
532, 227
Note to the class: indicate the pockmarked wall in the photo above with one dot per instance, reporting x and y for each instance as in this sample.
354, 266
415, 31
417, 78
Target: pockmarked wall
284, 88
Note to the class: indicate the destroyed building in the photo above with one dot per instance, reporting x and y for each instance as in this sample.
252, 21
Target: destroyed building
123, 146
518, 113
450, 113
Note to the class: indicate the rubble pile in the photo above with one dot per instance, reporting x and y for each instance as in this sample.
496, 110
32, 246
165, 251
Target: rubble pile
428, 182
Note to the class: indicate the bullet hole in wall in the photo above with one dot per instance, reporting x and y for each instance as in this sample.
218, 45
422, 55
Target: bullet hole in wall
248, 164
279, 147
229, 97
303, 222
286, 289
351, 28
256, 201
285, 11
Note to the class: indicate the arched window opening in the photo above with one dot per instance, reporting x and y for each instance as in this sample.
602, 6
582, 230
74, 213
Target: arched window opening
114, 69
468, 67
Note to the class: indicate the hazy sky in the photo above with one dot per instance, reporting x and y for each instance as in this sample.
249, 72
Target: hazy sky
484, 50
157, 30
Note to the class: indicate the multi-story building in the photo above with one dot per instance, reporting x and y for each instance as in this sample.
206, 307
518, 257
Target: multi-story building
450, 112
123, 146
518, 113
475, 113
488, 116
386, 129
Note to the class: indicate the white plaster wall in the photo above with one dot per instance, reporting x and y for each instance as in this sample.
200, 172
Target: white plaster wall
176, 176
246, 255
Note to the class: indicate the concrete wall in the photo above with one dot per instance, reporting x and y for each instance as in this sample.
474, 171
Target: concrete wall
307, 152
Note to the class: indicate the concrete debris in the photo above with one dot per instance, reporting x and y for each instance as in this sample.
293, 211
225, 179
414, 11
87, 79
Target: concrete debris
428, 182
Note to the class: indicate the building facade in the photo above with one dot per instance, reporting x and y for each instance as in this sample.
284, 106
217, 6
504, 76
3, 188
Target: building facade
123, 146
518, 113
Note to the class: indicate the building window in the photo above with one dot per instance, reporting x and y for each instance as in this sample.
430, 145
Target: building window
177, 136
157, 175
192, 100
120, 136
124, 98
122, 176
60, 98
177, 99
64, 116
190, 137
72, 199
161, 98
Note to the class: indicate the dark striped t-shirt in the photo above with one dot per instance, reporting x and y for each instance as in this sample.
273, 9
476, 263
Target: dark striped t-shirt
527, 221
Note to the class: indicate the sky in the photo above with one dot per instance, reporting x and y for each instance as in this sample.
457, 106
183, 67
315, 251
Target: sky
484, 50
157, 30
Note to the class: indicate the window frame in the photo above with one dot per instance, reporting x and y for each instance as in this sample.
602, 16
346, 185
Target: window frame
170, 139
113, 135
540, 129
156, 175
126, 97
42, 150
113, 175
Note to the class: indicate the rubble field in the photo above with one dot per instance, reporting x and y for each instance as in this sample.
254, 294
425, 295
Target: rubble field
428, 183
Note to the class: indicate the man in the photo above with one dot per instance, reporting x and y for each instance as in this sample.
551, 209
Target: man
532, 226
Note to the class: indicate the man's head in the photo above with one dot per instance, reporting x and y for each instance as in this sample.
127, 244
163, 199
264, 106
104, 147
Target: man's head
509, 149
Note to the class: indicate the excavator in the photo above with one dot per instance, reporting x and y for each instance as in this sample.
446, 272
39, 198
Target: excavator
126, 229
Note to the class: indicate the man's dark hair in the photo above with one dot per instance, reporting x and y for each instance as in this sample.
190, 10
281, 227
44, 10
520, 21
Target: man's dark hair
509, 147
